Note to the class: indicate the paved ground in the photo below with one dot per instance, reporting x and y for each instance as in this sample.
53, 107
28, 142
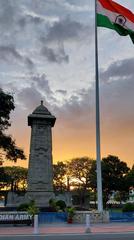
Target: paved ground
68, 228
91, 236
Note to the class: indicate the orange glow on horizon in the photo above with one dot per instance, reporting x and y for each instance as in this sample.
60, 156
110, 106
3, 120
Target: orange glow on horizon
74, 147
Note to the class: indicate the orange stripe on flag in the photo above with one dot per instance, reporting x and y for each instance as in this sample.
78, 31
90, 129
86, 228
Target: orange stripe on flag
115, 7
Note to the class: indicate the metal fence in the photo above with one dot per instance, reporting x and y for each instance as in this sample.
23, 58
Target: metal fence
61, 217
52, 217
121, 216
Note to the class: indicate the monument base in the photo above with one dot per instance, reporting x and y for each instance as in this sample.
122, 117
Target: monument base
41, 198
14, 200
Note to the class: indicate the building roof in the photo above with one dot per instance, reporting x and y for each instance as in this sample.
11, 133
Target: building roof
41, 113
41, 109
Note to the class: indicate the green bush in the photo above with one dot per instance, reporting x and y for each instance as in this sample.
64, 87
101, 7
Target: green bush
29, 207
52, 204
70, 212
32, 208
57, 205
128, 207
61, 204
23, 207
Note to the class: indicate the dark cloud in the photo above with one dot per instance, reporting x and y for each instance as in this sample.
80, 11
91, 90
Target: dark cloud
22, 22
9, 54
42, 84
77, 110
66, 29
30, 97
49, 54
7, 13
117, 98
55, 56
34, 19
12, 13
29, 19
39, 89
116, 95
29, 63
63, 92
123, 68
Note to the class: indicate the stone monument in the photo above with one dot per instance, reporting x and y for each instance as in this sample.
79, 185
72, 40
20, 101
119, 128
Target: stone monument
40, 186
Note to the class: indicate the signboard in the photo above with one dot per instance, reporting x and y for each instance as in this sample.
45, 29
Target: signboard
15, 217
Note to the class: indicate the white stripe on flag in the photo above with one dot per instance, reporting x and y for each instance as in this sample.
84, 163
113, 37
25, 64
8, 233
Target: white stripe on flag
112, 16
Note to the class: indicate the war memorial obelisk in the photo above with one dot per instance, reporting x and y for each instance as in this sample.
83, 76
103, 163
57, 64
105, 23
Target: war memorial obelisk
40, 187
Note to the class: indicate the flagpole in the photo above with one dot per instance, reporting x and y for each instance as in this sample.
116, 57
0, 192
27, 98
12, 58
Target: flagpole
98, 152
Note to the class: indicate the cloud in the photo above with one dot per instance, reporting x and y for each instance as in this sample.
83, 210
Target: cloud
22, 22
66, 29
63, 92
116, 101
76, 6
42, 83
9, 54
7, 14
29, 62
76, 115
29, 97
77, 110
59, 38
119, 69
31, 16
55, 56
38, 90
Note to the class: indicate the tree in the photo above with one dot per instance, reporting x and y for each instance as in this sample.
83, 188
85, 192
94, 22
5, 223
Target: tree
113, 176
8, 148
130, 178
79, 173
4, 178
13, 178
59, 178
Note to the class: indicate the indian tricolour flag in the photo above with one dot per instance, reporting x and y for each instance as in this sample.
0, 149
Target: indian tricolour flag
114, 16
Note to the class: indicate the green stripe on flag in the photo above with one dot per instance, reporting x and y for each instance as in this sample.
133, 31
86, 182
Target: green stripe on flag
103, 21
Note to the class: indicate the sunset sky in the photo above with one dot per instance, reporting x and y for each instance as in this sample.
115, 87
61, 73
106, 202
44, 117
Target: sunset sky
47, 53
